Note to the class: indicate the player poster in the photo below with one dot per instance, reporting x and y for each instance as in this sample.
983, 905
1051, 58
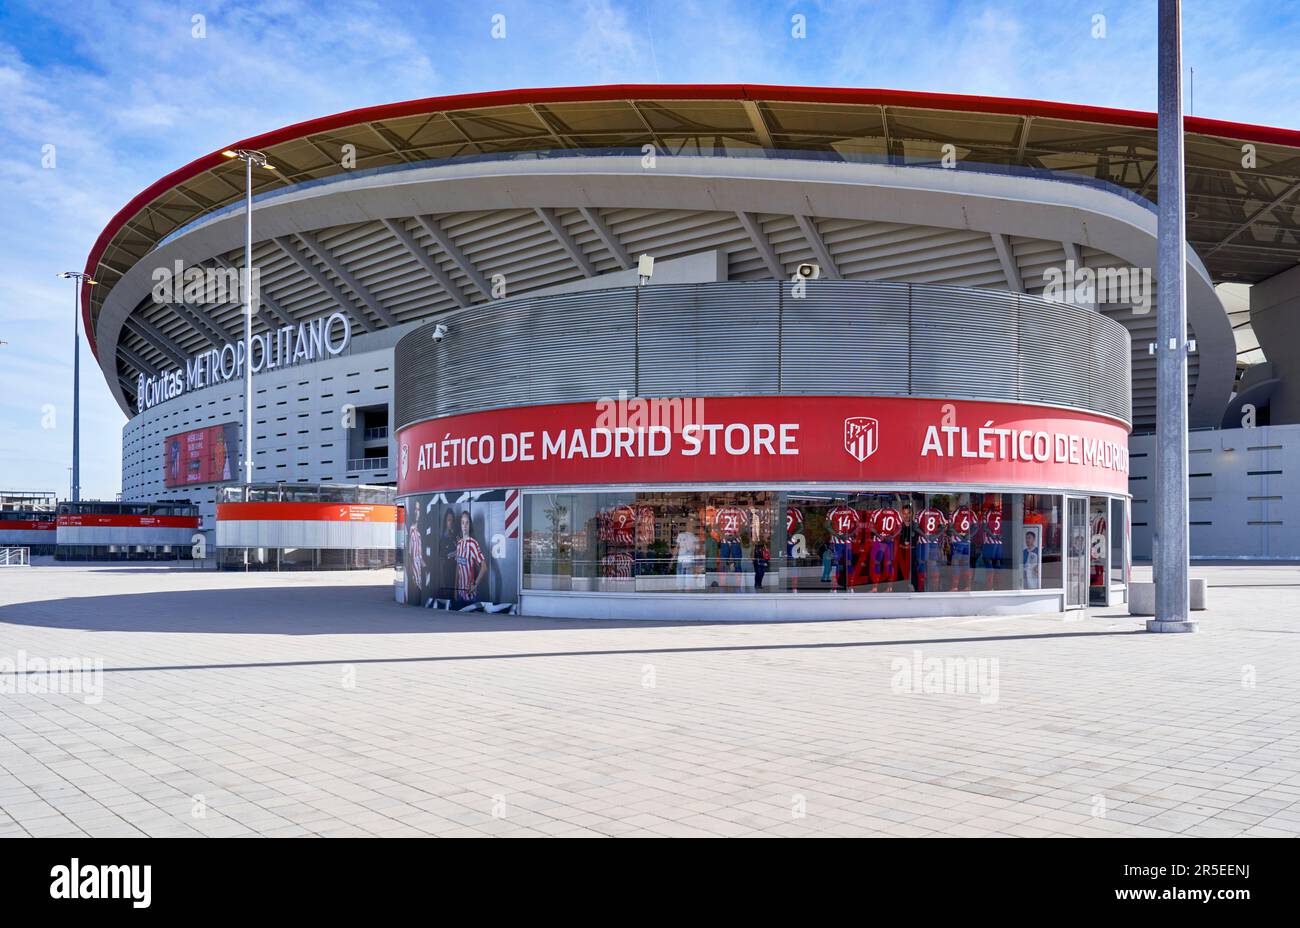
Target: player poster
459, 554
206, 455
1031, 558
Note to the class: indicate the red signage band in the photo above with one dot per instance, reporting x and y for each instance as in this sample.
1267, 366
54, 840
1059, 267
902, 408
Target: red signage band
305, 512
83, 520
767, 439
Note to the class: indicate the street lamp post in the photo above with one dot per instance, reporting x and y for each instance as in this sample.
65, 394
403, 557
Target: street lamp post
79, 277
249, 158
1171, 543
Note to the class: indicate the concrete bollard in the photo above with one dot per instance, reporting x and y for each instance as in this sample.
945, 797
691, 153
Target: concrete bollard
1142, 596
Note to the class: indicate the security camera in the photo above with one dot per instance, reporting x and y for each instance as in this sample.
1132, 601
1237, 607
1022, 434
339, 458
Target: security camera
439, 332
808, 271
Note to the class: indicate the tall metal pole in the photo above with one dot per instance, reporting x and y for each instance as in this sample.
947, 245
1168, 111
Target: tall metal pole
76, 392
248, 322
1171, 543
79, 279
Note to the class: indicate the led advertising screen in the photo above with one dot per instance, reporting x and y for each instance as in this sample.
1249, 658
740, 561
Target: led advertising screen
206, 455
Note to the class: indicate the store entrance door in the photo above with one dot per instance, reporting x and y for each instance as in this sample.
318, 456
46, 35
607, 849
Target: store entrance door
1076, 552
1099, 551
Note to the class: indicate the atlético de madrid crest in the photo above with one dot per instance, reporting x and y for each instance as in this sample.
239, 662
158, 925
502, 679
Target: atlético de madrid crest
405, 460
861, 437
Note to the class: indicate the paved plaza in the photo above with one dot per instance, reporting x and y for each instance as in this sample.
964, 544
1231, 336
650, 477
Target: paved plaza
312, 704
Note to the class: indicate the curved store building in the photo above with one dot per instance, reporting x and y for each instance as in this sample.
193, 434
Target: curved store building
692, 351
650, 443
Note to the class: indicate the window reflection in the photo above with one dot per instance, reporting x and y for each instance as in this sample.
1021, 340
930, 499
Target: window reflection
1118, 542
761, 541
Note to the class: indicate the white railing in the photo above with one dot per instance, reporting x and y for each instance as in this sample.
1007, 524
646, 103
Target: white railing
15, 557
367, 463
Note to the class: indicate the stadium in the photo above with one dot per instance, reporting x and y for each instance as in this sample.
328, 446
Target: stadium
621, 348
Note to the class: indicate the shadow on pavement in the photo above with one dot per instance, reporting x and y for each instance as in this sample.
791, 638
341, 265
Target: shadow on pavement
608, 652
360, 610
316, 610
292, 610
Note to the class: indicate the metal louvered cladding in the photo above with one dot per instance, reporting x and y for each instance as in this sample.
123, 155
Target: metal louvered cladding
755, 338
518, 353
845, 339
1110, 385
1068, 357
708, 341
964, 342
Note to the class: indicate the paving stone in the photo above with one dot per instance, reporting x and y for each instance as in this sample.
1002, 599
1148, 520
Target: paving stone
472, 726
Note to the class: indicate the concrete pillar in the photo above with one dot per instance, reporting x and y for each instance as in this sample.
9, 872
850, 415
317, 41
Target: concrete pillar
1275, 317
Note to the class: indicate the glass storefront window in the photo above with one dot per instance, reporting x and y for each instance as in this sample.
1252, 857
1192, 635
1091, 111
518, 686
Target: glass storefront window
548, 541
1041, 521
760, 541
1118, 542
1098, 550
1076, 590
918, 542
637, 542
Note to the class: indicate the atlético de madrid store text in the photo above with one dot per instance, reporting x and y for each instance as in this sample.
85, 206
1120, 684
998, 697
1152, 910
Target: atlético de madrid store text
765, 508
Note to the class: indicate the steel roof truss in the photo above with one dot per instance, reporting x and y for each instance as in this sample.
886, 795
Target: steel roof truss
421, 256
331, 289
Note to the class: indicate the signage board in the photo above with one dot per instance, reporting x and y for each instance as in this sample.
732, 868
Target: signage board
769, 439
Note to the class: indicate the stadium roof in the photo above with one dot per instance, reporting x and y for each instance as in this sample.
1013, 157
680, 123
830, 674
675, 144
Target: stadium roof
1243, 222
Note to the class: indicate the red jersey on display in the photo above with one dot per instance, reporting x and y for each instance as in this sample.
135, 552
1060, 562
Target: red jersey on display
930, 523
993, 525
728, 521
886, 524
843, 523
617, 566
793, 519
622, 523
468, 558
645, 526
964, 522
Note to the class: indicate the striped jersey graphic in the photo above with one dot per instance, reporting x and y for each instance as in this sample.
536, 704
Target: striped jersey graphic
512, 514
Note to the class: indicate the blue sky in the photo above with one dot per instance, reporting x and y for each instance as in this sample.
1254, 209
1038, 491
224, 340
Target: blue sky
126, 94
